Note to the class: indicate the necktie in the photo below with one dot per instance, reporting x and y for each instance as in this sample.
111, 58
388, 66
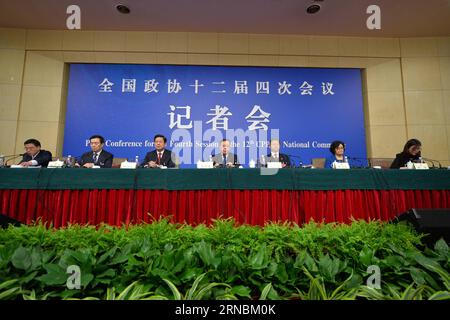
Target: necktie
224, 159
159, 158
275, 155
95, 157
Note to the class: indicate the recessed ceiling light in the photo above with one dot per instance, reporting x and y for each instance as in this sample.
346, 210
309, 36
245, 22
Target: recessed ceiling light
123, 8
314, 8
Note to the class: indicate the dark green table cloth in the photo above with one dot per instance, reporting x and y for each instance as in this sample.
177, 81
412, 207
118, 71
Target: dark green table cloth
215, 179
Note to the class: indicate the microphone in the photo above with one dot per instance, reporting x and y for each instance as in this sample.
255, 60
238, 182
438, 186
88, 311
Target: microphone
362, 162
300, 161
12, 157
15, 155
292, 156
422, 160
432, 161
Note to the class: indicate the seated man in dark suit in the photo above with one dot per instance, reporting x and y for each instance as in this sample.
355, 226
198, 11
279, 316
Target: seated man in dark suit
160, 157
35, 156
97, 156
225, 159
276, 156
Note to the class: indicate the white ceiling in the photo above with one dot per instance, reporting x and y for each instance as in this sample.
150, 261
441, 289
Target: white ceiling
399, 18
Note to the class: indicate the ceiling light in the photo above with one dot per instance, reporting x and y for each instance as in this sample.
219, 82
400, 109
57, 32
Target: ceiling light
314, 8
123, 8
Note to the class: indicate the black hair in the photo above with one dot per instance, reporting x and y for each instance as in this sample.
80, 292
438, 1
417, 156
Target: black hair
336, 144
160, 136
410, 143
32, 141
96, 136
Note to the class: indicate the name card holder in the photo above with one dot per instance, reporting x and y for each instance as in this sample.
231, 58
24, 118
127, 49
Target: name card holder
55, 164
274, 165
341, 165
420, 166
205, 165
128, 165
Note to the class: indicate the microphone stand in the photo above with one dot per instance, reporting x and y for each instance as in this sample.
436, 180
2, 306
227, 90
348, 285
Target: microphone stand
300, 162
360, 162
432, 161
429, 160
12, 158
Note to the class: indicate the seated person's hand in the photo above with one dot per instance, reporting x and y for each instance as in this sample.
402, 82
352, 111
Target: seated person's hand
88, 165
230, 164
216, 164
283, 165
26, 164
77, 165
152, 164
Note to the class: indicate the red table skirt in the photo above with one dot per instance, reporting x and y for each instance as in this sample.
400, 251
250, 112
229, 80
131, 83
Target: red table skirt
117, 207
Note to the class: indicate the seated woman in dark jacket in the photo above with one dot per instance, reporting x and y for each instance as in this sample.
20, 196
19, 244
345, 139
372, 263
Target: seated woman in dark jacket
411, 152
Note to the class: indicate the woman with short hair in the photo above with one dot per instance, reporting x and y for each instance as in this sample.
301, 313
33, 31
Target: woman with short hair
337, 149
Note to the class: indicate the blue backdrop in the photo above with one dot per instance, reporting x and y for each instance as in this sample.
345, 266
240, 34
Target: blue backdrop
193, 105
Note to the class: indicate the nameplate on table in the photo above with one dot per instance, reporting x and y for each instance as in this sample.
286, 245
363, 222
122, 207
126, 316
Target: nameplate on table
274, 165
55, 164
128, 165
341, 165
420, 166
205, 165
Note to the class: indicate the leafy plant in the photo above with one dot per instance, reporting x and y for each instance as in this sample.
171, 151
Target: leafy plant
9, 289
318, 290
199, 290
162, 260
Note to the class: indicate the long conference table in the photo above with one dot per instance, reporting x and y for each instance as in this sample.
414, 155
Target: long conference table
120, 196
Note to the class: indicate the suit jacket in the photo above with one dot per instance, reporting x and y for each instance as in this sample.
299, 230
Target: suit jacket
42, 158
283, 158
231, 157
167, 159
105, 159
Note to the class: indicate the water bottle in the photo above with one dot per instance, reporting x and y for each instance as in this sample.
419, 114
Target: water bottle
345, 159
251, 164
69, 161
136, 159
263, 161
210, 158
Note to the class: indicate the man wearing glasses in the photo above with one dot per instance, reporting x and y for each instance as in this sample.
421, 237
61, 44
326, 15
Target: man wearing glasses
35, 156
